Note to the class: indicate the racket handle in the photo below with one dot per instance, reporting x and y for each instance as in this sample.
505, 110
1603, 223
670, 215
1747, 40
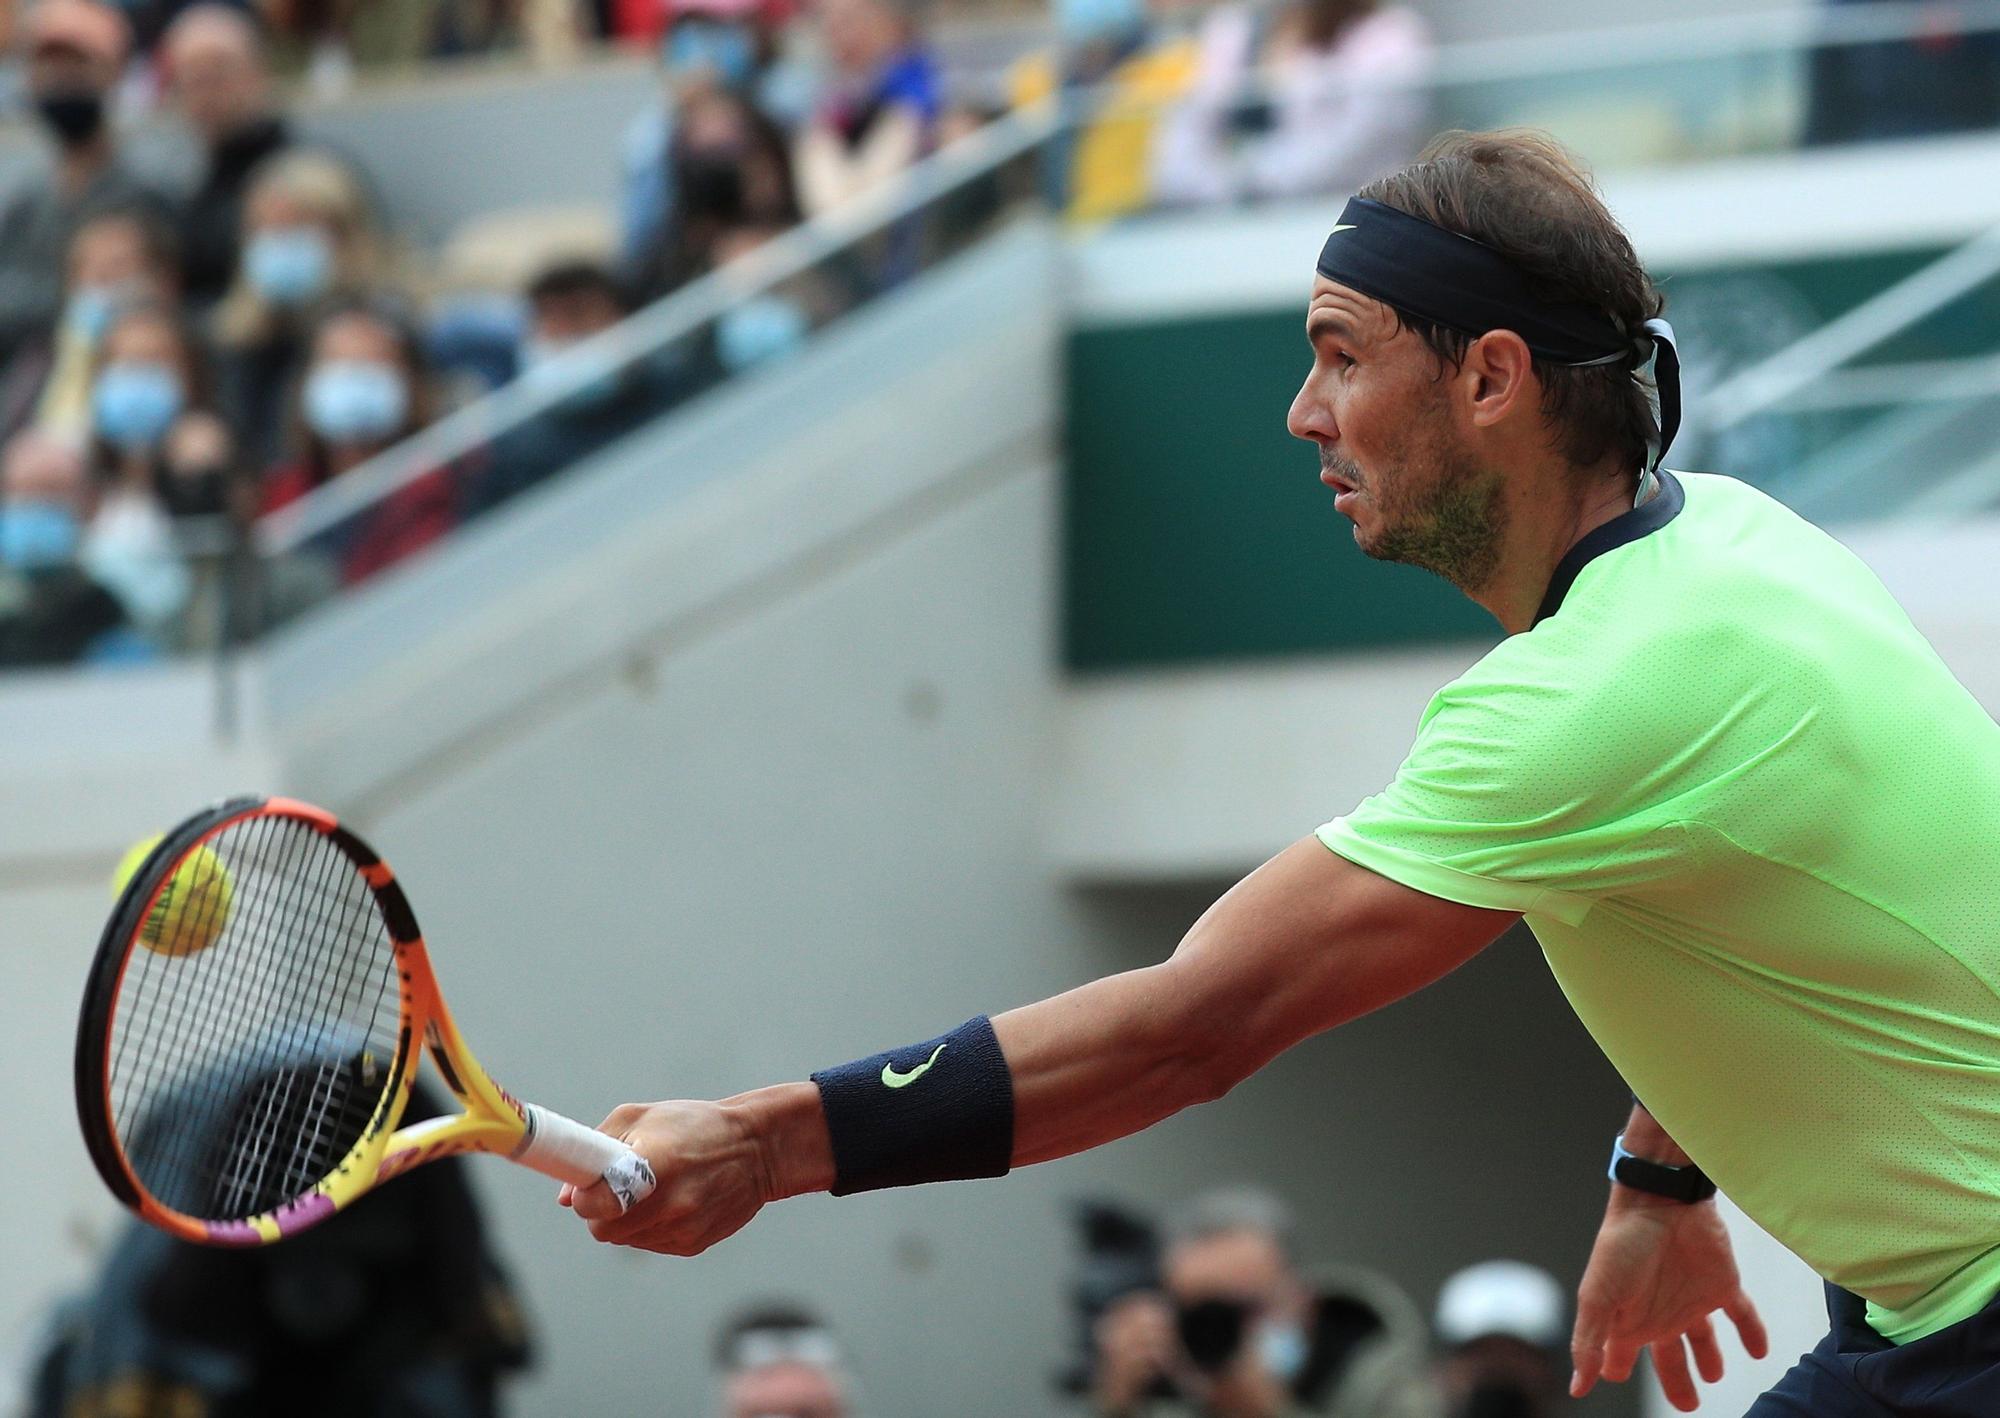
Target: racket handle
570, 1152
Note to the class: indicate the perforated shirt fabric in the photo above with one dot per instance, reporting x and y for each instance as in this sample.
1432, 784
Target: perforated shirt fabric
1754, 823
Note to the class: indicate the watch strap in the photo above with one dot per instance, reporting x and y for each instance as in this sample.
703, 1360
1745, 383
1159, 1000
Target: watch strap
1685, 1184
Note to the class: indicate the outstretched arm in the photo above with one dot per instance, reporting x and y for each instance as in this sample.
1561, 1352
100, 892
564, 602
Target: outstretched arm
1307, 941
1660, 1269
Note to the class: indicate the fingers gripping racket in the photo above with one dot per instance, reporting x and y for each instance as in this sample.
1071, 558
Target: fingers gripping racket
251, 1033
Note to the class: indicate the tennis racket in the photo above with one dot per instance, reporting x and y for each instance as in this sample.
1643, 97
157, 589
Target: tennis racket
251, 1032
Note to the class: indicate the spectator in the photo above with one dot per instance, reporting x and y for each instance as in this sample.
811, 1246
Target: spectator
153, 417
769, 324
52, 611
732, 45
882, 112
1238, 1332
366, 388
1342, 101
779, 1361
729, 168
76, 52
567, 305
216, 62
1118, 75
158, 446
395, 1307
1504, 1328
116, 259
309, 244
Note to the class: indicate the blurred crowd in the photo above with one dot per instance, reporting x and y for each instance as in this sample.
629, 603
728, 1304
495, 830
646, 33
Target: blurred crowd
176, 363
400, 1306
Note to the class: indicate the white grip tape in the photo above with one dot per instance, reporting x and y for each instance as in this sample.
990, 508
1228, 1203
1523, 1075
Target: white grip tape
573, 1153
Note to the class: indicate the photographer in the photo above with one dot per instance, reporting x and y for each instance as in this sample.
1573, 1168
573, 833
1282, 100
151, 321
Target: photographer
1503, 1328
1236, 1331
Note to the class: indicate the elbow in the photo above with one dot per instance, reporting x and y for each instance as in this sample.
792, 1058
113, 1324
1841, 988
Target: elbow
1209, 1055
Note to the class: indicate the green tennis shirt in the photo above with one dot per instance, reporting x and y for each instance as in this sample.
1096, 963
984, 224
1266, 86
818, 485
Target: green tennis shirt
1755, 824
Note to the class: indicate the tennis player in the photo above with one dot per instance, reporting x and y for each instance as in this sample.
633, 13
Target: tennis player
1751, 817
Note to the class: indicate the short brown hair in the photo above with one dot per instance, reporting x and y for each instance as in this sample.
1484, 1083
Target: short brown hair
1524, 195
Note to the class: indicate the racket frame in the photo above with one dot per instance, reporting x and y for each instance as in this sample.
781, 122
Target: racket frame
493, 1120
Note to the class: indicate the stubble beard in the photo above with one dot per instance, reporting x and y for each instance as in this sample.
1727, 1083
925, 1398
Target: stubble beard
1440, 512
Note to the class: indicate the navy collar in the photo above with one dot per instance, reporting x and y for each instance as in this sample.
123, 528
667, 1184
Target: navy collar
1640, 522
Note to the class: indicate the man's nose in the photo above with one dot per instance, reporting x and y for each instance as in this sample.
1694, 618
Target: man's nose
1310, 418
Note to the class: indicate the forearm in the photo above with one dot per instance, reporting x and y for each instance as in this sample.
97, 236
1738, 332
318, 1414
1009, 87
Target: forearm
1306, 942
1109, 1059
1101, 1061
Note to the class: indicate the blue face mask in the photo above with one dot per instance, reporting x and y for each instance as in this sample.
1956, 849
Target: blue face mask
727, 51
1281, 1345
289, 266
133, 404
764, 327
90, 312
351, 401
35, 536
1081, 21
545, 361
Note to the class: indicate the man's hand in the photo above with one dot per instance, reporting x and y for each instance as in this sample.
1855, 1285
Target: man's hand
717, 1164
1135, 1345
1659, 1270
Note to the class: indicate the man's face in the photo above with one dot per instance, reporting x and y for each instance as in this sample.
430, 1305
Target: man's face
1381, 413
218, 76
1244, 1267
62, 68
110, 255
786, 1390
574, 315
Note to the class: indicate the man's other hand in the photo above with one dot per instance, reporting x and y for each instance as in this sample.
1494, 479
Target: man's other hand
1659, 1270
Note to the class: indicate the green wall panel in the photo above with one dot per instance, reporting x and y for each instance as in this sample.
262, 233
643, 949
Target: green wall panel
1197, 527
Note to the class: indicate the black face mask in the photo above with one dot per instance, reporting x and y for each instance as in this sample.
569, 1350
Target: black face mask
74, 115
710, 185
1498, 1400
199, 494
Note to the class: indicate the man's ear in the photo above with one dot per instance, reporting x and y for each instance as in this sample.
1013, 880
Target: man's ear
1500, 373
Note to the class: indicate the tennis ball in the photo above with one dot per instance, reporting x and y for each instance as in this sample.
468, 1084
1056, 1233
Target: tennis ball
193, 906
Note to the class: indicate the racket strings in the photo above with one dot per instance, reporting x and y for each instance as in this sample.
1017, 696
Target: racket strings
242, 1072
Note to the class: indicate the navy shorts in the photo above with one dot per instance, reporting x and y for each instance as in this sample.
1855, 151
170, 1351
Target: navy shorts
1855, 1373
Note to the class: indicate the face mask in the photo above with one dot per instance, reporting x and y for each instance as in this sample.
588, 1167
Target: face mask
90, 312
765, 327
727, 51
202, 494
35, 536
545, 361
73, 115
1083, 20
289, 266
352, 402
134, 404
1491, 1400
1281, 1346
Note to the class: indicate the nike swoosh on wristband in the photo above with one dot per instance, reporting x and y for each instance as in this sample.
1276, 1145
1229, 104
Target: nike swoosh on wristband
893, 1079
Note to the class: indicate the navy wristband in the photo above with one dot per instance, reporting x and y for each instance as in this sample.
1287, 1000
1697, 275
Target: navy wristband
939, 1111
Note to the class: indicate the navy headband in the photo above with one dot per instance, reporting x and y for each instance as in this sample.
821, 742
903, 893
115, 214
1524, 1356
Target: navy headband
1424, 271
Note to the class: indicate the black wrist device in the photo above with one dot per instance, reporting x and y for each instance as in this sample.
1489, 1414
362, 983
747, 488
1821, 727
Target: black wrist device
1688, 1184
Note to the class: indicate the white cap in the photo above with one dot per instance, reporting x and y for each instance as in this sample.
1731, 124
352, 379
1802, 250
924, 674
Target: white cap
1502, 1297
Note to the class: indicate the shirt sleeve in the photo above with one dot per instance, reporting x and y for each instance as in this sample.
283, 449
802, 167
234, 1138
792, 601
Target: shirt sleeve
1518, 796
